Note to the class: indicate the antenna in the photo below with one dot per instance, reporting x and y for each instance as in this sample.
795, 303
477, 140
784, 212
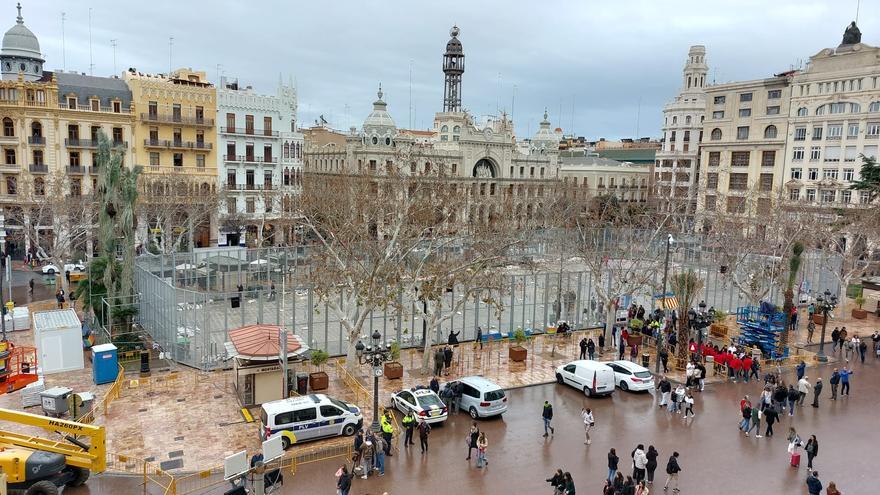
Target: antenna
91, 64
170, 52
638, 117
513, 103
220, 71
498, 104
113, 42
63, 47
858, 4
571, 129
410, 95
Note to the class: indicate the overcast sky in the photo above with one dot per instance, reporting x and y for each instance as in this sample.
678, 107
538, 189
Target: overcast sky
600, 58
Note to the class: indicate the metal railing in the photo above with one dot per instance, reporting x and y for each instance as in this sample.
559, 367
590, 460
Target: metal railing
80, 143
362, 396
76, 169
176, 119
249, 131
38, 168
36, 140
100, 408
176, 144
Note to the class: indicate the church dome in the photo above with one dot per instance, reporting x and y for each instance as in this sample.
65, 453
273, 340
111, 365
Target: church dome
379, 121
19, 41
545, 138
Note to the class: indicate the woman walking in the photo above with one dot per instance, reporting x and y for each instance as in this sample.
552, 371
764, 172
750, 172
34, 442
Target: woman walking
771, 415
812, 450
639, 462
587, 416
651, 465
343, 480
569, 484
832, 489
482, 445
642, 488
472, 437
689, 405
557, 481
794, 441
612, 464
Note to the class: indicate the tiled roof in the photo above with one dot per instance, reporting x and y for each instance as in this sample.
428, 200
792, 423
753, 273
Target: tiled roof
105, 88
262, 341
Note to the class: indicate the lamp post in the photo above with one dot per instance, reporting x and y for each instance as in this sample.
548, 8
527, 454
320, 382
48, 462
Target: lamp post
660, 336
825, 305
375, 354
699, 321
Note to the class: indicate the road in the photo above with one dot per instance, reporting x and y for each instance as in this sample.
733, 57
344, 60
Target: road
712, 450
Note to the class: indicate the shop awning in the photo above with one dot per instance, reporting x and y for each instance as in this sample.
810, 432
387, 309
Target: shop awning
262, 343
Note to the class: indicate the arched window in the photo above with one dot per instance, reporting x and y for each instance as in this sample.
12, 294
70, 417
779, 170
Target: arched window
716, 134
770, 132
8, 127
802, 112
820, 110
874, 106
444, 129
687, 120
456, 129
37, 129
286, 150
674, 120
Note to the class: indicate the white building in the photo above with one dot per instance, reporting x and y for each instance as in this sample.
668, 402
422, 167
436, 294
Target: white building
259, 164
677, 162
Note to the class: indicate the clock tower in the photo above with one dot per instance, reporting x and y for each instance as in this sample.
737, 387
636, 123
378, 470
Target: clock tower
453, 68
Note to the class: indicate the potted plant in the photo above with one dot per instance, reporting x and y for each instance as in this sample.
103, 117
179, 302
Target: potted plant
635, 336
859, 313
393, 369
719, 328
319, 379
517, 352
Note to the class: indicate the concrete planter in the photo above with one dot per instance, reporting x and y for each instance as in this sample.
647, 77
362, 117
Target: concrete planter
393, 370
319, 380
517, 353
859, 314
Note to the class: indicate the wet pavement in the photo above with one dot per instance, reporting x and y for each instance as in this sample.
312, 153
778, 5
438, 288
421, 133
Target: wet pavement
715, 457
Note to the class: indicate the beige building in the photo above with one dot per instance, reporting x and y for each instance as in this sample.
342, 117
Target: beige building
834, 118
589, 176
743, 144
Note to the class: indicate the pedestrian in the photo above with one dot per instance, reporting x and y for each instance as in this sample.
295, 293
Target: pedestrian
848, 348
31, 286
863, 348
439, 356
435, 383
812, 450
453, 337
801, 368
793, 397
471, 439
447, 359
381, 447
601, 341
770, 415
811, 327
587, 416
409, 424
841, 339
794, 440
583, 346
569, 484
641, 488
622, 347
557, 481
835, 339
672, 470
756, 422
479, 337
640, 462
424, 431
689, 374
746, 368
701, 375
832, 489
746, 419
814, 486
629, 486
689, 405
844, 381
547, 416
482, 445
367, 453
835, 381
591, 349
272, 291
651, 465
664, 360
612, 464
665, 390
803, 389
756, 366
343, 480
358, 442
387, 423
811, 310
817, 389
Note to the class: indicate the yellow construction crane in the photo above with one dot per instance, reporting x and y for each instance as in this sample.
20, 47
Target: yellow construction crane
40, 466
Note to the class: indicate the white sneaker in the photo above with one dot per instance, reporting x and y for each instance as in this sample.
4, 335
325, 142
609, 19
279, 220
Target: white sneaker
758, 436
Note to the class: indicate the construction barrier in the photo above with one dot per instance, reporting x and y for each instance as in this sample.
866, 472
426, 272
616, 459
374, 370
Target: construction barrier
100, 408
362, 397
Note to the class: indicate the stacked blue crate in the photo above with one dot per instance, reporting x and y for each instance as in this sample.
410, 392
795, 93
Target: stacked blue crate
762, 326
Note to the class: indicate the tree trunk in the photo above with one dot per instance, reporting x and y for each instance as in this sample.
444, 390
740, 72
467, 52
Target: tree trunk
610, 320
683, 337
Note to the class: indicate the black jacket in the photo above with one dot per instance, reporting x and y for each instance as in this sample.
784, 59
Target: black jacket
652, 460
555, 480
548, 412
672, 466
793, 394
344, 482
665, 386
612, 461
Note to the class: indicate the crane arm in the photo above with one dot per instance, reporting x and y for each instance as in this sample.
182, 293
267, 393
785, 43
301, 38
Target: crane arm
91, 456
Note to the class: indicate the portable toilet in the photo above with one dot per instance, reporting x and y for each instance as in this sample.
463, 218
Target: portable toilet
105, 363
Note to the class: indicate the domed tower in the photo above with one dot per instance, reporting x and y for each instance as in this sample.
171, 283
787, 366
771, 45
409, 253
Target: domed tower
545, 140
379, 127
695, 70
453, 68
21, 52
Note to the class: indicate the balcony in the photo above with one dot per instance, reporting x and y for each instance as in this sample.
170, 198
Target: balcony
9, 139
88, 108
176, 144
36, 140
244, 131
250, 187
76, 169
164, 118
38, 168
871, 136
154, 143
119, 144
80, 143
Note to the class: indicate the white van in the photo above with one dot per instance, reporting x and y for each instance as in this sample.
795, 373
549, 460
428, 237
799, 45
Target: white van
481, 397
308, 417
593, 377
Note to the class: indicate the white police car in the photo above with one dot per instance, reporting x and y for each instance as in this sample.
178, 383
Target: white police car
424, 403
307, 418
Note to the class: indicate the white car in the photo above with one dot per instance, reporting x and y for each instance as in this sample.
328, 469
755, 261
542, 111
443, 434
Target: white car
51, 269
594, 378
424, 403
630, 376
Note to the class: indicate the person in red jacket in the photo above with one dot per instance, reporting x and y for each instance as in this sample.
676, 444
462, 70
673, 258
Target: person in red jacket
735, 365
746, 366
720, 361
744, 402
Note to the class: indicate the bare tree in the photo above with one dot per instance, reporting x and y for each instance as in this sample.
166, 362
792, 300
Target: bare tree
172, 207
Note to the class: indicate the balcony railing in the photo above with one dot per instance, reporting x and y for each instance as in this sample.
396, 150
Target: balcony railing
80, 143
175, 144
249, 132
38, 168
250, 187
88, 108
76, 169
6, 139
37, 140
119, 144
164, 118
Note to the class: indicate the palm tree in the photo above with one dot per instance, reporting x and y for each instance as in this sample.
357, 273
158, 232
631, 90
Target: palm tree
686, 287
794, 264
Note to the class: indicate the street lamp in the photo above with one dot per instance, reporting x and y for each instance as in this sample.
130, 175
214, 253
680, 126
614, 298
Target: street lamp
375, 355
825, 305
699, 320
660, 336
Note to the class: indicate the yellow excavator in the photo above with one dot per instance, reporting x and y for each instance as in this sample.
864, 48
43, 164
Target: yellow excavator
41, 466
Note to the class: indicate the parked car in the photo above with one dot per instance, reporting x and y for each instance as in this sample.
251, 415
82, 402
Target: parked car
481, 397
308, 417
592, 377
51, 269
630, 376
424, 403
